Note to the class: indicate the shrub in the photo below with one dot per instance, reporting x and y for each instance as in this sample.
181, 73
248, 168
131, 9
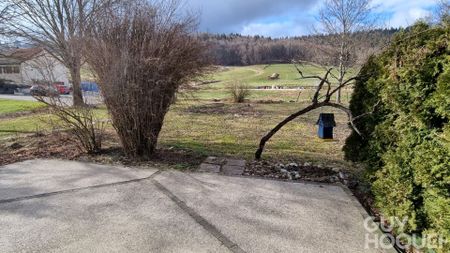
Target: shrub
81, 122
406, 141
239, 92
141, 54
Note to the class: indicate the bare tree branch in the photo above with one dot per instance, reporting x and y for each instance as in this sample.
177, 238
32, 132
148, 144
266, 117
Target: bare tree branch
342, 18
317, 102
58, 26
82, 122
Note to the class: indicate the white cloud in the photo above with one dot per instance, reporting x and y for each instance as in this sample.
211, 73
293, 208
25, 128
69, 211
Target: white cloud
279, 18
233, 15
402, 13
405, 18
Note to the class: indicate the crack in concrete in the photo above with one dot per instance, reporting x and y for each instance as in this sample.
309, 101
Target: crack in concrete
48, 194
233, 247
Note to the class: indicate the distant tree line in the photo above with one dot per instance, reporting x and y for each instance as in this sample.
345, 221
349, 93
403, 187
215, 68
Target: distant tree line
239, 50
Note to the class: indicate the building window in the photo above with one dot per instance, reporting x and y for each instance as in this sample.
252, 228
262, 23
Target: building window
10, 70
7, 70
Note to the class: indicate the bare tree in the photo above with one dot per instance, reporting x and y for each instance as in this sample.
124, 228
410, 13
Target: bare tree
343, 18
322, 98
340, 18
3, 10
141, 54
58, 26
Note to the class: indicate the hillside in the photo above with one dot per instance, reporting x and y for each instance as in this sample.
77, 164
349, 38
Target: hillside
239, 50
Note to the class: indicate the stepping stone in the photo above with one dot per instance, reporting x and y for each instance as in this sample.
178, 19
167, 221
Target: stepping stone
232, 170
209, 168
211, 159
214, 160
235, 162
232, 167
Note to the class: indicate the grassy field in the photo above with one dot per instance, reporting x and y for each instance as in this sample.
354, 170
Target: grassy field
199, 122
11, 106
257, 75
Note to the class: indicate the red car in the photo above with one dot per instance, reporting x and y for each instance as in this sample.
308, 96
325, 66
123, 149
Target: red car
62, 89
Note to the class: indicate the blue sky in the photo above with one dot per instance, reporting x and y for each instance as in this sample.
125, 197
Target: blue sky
279, 18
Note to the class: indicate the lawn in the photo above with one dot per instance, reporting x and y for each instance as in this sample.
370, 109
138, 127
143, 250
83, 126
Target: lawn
235, 130
31, 123
40, 122
11, 106
206, 121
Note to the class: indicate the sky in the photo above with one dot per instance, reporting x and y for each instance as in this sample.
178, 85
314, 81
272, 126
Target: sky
281, 18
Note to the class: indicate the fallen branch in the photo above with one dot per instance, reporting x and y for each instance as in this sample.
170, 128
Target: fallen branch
269, 135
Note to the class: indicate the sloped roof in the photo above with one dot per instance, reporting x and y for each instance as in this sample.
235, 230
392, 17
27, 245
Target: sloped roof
17, 56
9, 61
25, 54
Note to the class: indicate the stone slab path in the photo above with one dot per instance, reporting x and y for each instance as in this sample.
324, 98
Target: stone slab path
225, 166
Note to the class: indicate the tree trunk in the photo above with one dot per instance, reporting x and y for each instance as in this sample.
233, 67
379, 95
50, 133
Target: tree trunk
338, 96
341, 67
75, 73
138, 138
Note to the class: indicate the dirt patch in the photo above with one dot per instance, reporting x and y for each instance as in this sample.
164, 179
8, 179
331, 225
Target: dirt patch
292, 171
164, 157
269, 101
61, 145
222, 109
298, 171
55, 145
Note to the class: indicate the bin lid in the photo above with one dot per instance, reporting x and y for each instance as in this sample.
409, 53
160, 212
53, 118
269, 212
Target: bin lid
326, 120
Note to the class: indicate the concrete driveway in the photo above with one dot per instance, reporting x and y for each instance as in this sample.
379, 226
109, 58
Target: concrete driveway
59, 206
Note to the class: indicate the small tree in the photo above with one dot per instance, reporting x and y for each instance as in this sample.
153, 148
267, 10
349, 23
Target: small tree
321, 98
141, 54
342, 18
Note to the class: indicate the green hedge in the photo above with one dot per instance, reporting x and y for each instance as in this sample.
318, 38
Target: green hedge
406, 141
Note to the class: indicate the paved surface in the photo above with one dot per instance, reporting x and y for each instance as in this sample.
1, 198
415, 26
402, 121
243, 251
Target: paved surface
56, 206
66, 99
17, 97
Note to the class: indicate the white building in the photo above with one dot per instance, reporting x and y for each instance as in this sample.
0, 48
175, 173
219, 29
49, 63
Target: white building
32, 66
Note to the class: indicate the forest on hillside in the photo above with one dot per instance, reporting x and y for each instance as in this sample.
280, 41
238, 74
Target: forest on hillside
239, 50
